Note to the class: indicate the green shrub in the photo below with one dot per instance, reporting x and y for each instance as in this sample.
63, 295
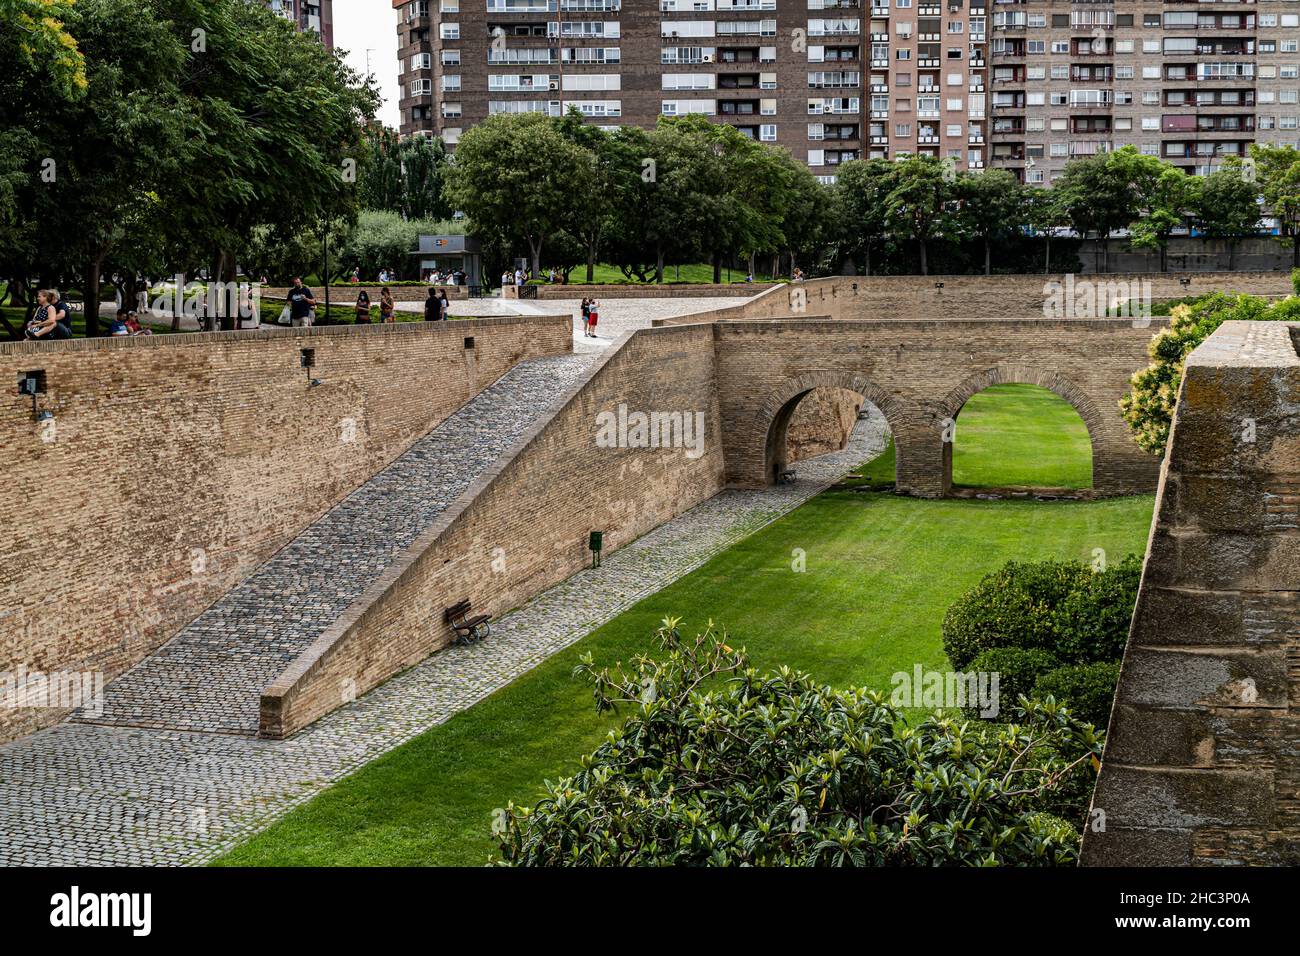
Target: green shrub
1086, 689
1295, 281
1092, 623
1011, 607
718, 764
1148, 407
1018, 670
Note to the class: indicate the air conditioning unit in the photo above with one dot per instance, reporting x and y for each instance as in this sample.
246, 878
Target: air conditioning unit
708, 58
553, 85
828, 109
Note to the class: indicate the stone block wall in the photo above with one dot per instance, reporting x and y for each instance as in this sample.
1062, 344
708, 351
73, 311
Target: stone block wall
174, 465
1202, 762
910, 298
488, 548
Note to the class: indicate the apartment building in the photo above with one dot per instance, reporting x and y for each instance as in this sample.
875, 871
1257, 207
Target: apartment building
832, 80
1191, 82
314, 15
1024, 85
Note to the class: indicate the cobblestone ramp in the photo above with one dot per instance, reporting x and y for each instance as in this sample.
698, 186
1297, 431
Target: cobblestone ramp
88, 795
209, 677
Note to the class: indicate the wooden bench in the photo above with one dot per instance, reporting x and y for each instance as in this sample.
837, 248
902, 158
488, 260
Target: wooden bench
469, 629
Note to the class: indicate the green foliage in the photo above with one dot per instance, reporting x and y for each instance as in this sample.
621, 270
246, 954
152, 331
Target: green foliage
405, 176
1018, 669
1295, 281
1149, 406
1086, 689
1011, 607
718, 764
1092, 623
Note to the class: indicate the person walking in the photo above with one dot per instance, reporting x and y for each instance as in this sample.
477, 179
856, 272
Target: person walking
432, 306
363, 307
386, 307
586, 317
593, 316
301, 302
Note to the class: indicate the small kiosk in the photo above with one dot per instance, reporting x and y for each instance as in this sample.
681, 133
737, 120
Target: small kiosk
461, 255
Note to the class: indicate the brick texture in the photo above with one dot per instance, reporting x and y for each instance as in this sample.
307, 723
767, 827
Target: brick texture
489, 549
1202, 762
175, 465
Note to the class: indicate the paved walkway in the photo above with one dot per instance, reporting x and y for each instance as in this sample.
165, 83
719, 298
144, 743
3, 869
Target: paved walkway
209, 677
81, 793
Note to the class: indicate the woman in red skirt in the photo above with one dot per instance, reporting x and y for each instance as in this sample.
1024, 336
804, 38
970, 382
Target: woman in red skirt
592, 318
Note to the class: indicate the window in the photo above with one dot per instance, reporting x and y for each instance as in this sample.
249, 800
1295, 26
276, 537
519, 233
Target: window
767, 132
449, 31
451, 57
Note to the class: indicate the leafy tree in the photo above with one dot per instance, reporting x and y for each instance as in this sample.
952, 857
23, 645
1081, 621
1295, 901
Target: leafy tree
1278, 173
652, 193
917, 207
36, 39
1096, 195
517, 175
1227, 206
1044, 213
992, 208
1149, 406
718, 764
861, 191
405, 176
1163, 198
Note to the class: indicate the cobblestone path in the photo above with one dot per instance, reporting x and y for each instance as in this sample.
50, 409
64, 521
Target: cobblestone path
81, 793
209, 676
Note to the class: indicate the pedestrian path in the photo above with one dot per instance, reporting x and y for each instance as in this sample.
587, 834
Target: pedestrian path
210, 676
81, 793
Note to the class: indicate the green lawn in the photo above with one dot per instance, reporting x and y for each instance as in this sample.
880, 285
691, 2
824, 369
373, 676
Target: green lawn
1020, 436
880, 573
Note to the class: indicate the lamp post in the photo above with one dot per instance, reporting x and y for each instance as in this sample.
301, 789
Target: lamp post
325, 246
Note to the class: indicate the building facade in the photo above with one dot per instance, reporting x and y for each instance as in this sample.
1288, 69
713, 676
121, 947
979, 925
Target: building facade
1024, 85
314, 15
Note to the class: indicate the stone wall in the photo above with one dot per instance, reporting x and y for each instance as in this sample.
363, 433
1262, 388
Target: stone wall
1202, 762
174, 465
1260, 254
652, 291
920, 374
490, 549
911, 298
822, 423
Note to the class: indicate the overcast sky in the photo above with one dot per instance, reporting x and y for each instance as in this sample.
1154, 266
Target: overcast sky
361, 25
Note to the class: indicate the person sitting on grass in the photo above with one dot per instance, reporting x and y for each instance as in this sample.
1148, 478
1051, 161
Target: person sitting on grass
118, 325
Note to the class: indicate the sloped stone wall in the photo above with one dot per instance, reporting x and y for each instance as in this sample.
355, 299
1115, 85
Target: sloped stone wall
1202, 762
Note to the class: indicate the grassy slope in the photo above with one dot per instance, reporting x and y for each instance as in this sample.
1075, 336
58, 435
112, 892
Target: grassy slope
881, 571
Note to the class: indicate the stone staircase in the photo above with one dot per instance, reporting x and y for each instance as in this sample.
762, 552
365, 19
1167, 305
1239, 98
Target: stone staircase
208, 678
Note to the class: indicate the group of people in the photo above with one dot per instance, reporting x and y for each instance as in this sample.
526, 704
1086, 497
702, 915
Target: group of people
436, 306
127, 322
590, 316
51, 319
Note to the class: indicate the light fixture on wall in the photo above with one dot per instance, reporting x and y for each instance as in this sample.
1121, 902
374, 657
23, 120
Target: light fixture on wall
939, 286
307, 358
33, 384
1184, 281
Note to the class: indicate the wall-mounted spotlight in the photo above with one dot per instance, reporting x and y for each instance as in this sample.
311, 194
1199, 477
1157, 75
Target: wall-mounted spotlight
307, 358
1184, 281
33, 384
939, 286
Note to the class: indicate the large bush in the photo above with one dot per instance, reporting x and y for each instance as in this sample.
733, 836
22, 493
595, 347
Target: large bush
718, 764
1086, 689
1092, 623
1149, 406
1018, 670
1062, 607
1011, 607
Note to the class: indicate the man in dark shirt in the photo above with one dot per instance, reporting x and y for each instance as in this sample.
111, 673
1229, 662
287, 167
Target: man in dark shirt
62, 320
301, 303
432, 307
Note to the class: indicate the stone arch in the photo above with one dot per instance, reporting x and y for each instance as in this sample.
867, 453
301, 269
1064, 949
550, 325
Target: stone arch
776, 410
1016, 374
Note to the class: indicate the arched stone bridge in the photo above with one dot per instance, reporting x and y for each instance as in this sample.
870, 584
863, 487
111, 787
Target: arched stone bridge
920, 374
